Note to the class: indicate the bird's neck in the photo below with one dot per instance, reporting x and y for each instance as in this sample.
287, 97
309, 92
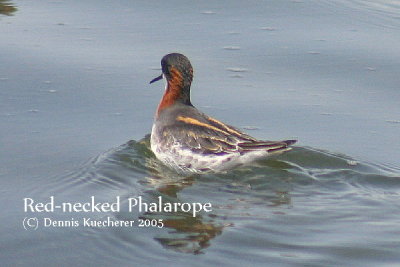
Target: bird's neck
174, 93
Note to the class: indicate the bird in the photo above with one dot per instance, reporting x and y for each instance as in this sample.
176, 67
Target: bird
189, 141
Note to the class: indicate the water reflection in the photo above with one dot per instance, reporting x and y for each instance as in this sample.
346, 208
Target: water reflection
7, 8
267, 183
261, 192
189, 234
133, 169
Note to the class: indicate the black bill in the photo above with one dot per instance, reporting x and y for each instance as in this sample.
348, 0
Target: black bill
156, 79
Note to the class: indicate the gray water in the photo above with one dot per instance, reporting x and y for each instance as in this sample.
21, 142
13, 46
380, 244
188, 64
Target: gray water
76, 106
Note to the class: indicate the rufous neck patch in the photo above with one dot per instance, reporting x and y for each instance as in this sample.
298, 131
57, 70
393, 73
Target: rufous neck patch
173, 90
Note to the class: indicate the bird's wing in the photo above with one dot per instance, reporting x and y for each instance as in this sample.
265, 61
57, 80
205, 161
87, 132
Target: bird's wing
200, 139
270, 146
210, 136
248, 143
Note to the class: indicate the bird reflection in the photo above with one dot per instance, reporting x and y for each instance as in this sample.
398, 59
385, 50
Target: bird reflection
187, 234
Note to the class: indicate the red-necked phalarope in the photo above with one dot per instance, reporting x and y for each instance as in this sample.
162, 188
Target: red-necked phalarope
187, 140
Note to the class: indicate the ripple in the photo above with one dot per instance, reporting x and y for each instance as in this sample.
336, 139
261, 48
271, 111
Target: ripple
270, 29
231, 47
315, 188
208, 12
393, 121
236, 69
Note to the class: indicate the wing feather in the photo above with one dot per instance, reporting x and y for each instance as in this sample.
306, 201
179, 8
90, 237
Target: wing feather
209, 136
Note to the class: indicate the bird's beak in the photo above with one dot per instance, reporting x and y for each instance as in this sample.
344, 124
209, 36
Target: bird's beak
156, 79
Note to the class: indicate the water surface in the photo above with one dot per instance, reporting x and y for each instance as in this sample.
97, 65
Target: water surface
76, 104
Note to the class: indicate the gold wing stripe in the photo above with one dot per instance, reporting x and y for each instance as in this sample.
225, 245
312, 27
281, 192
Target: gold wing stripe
232, 131
199, 123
